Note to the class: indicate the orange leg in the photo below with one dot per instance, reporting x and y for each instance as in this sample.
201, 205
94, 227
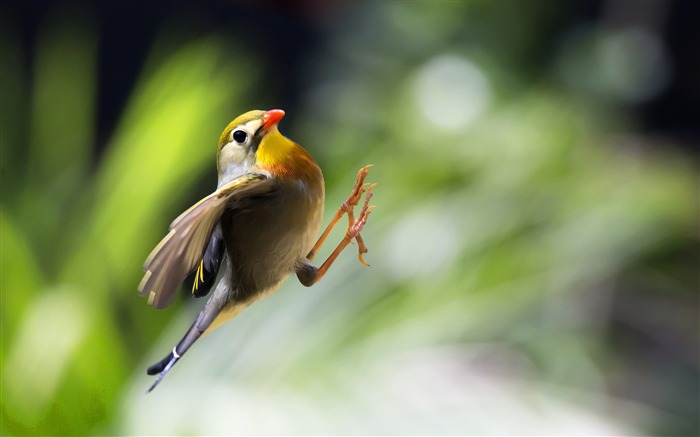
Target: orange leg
347, 207
309, 275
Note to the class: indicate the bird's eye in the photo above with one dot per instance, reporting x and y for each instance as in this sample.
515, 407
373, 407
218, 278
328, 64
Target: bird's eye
240, 136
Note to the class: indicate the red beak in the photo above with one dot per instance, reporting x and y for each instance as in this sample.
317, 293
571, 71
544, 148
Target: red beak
271, 118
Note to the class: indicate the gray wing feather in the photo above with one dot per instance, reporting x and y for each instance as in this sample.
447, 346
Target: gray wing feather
182, 249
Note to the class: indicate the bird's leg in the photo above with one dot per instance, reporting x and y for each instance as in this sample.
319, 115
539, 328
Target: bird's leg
347, 207
309, 275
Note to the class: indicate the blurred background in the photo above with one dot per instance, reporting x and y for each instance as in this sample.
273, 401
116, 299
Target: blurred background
534, 254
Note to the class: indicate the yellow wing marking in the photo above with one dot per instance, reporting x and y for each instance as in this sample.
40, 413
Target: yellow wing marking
198, 277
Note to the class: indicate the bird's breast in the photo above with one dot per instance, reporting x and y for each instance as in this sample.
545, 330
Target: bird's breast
266, 237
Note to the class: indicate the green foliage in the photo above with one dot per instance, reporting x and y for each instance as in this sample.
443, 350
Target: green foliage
74, 237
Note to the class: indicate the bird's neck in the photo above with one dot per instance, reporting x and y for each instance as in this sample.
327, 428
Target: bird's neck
284, 158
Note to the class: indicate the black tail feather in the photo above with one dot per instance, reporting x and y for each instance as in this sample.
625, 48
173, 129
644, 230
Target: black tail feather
163, 367
159, 366
203, 321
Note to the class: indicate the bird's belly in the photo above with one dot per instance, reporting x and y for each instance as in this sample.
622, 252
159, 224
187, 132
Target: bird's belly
264, 242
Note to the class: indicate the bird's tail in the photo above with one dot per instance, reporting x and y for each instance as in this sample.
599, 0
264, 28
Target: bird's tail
163, 367
209, 318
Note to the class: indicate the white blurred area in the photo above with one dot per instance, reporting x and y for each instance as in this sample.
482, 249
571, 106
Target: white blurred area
249, 379
451, 92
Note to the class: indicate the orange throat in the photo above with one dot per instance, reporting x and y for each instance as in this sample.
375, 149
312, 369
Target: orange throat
284, 158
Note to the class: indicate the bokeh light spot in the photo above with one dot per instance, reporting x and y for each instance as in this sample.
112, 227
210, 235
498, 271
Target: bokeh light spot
451, 91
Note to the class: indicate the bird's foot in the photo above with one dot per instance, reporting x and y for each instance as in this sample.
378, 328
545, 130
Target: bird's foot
355, 227
357, 190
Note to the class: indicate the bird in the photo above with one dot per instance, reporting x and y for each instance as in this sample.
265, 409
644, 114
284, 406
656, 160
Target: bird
258, 227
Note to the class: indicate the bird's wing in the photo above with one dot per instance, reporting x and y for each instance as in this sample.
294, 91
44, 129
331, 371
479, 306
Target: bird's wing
182, 249
203, 278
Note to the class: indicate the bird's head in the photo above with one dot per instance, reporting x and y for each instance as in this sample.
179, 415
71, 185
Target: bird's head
252, 140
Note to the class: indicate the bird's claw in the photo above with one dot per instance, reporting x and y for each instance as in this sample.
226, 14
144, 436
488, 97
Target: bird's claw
358, 189
359, 223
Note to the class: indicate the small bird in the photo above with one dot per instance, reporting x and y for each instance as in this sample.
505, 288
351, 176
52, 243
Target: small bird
259, 224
